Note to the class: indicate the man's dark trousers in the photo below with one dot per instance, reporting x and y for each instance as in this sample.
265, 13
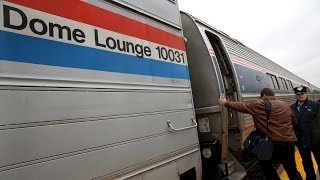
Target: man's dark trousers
305, 154
283, 153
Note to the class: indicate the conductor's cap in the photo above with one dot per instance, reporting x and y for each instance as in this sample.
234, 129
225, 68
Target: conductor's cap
300, 90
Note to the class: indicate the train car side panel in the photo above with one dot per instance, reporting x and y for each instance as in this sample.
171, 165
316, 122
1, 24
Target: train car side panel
87, 91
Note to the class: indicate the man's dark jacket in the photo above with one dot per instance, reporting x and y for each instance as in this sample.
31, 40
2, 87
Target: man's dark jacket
308, 128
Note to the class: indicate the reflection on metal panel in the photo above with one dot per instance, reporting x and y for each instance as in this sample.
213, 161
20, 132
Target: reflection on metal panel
238, 49
97, 163
218, 75
164, 10
46, 106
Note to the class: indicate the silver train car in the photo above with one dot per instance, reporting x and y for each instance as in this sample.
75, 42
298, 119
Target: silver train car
93, 89
222, 66
124, 90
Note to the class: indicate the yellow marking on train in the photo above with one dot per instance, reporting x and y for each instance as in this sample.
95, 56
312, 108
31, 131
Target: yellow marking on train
284, 176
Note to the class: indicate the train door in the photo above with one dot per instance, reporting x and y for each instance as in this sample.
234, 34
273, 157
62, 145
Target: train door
227, 79
211, 76
231, 146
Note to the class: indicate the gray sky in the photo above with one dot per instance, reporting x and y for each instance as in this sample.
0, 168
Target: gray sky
285, 31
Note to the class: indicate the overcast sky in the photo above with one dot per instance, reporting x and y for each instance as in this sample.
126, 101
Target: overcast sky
285, 31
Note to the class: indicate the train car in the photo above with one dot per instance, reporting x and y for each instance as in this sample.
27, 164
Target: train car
120, 89
220, 65
315, 92
93, 89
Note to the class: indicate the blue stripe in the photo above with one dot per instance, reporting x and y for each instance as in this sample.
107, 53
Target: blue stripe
21, 48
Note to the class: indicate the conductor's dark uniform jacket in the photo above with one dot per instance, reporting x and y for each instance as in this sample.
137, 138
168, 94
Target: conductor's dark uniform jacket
308, 129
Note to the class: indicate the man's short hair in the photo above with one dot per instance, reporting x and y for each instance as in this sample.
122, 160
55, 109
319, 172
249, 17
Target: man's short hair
267, 92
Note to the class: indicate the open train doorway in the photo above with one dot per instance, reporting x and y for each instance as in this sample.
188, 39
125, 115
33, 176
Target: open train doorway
211, 76
230, 90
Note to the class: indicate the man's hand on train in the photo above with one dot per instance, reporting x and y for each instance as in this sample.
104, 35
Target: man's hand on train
222, 101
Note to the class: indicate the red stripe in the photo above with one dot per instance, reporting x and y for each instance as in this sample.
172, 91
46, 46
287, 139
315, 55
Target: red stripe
89, 14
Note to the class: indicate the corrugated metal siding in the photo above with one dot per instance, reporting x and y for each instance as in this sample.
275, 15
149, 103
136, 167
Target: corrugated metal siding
70, 121
236, 48
165, 11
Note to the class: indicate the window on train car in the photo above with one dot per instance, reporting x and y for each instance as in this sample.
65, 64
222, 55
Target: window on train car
290, 85
269, 77
173, 1
308, 90
281, 83
275, 82
284, 83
